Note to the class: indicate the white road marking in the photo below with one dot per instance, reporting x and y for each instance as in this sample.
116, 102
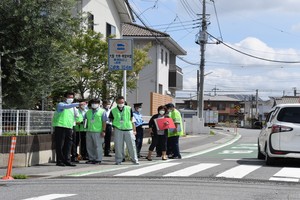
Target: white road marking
252, 145
239, 171
236, 152
243, 147
284, 179
192, 170
288, 172
51, 196
145, 170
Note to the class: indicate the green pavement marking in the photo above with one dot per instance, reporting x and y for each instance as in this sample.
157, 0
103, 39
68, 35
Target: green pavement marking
236, 138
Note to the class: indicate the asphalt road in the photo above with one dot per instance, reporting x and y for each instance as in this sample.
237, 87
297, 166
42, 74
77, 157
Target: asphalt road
227, 171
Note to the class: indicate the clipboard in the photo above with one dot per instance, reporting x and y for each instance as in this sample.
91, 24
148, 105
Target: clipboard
164, 123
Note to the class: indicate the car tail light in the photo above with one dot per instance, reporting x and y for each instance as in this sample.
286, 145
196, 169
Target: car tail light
279, 128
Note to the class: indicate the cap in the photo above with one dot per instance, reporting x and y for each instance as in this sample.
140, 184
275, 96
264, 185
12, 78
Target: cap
170, 105
137, 105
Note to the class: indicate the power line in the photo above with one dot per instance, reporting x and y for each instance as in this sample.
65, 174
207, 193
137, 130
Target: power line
252, 56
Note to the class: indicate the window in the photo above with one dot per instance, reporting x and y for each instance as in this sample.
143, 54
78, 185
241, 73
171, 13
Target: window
166, 59
90, 21
162, 56
110, 30
160, 89
291, 114
221, 106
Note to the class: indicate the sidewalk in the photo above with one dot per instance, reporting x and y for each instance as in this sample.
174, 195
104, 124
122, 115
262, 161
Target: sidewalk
188, 145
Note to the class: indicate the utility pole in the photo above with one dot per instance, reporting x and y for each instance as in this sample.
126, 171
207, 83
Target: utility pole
202, 40
1, 112
256, 104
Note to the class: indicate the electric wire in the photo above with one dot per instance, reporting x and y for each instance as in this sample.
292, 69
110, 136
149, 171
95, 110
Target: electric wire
252, 56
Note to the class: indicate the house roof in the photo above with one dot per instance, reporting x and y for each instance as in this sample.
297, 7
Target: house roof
135, 31
285, 100
124, 10
214, 98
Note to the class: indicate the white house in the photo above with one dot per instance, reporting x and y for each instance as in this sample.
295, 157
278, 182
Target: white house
106, 16
162, 77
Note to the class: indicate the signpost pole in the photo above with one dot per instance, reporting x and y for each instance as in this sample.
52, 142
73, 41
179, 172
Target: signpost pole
124, 83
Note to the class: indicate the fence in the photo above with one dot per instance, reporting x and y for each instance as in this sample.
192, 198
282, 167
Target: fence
25, 121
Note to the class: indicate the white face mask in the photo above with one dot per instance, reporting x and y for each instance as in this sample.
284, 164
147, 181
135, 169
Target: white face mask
69, 100
121, 105
95, 105
161, 112
139, 109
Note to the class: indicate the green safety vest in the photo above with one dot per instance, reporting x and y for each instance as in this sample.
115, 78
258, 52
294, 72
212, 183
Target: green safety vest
94, 120
79, 127
176, 116
64, 118
122, 120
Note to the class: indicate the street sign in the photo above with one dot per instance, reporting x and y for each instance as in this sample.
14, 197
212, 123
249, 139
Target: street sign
120, 54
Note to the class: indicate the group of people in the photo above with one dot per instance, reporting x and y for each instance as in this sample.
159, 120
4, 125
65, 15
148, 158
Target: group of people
90, 125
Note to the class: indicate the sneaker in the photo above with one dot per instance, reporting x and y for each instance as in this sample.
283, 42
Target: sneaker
118, 163
136, 163
90, 162
97, 162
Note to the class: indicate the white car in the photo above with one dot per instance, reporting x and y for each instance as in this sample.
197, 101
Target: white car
280, 137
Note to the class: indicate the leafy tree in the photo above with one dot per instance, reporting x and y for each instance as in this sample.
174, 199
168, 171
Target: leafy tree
34, 42
91, 75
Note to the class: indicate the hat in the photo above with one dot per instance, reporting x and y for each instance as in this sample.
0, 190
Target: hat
170, 105
137, 105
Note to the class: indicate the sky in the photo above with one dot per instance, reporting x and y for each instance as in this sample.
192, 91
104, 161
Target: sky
267, 31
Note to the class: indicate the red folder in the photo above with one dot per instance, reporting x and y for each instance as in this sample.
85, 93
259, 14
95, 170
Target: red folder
164, 123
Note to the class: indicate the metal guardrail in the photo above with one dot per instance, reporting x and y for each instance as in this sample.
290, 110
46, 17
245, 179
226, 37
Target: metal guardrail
25, 121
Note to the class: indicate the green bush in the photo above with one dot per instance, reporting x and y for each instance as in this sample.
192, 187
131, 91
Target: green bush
20, 176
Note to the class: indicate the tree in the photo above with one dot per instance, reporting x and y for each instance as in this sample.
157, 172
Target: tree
34, 40
91, 75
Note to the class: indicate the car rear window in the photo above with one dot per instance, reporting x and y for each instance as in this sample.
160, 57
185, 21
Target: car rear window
291, 114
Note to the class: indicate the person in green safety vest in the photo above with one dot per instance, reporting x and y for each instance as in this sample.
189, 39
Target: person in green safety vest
124, 131
63, 122
174, 134
79, 136
96, 126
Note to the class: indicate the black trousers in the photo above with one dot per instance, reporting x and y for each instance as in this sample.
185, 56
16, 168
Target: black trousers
76, 140
159, 142
139, 139
107, 139
63, 144
83, 151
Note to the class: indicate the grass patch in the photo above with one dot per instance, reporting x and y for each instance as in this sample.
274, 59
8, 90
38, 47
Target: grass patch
20, 176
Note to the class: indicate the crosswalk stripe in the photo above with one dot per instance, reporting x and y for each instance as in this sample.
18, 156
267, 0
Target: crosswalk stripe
289, 172
51, 197
192, 170
239, 171
284, 179
144, 170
